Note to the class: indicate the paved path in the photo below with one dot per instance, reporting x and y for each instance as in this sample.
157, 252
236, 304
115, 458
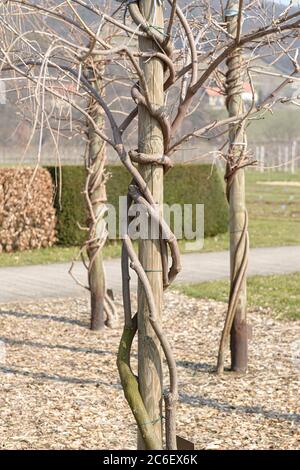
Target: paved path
50, 281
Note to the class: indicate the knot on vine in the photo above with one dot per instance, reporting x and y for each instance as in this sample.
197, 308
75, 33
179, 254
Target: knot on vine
234, 164
155, 159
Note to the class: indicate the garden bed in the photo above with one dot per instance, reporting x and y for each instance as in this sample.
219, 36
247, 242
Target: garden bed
59, 385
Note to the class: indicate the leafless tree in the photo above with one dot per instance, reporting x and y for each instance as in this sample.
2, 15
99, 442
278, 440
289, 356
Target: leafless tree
49, 115
168, 64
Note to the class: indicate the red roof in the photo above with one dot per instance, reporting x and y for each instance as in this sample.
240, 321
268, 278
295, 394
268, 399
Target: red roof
218, 92
247, 87
71, 87
214, 92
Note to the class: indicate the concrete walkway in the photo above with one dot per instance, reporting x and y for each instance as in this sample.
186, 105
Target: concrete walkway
53, 281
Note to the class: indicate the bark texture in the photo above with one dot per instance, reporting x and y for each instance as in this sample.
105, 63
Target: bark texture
151, 142
236, 320
96, 200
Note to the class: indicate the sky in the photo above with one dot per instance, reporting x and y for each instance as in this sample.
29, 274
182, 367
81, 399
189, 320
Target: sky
286, 2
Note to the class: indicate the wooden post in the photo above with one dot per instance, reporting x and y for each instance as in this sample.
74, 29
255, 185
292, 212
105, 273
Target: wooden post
257, 157
294, 147
151, 142
237, 204
279, 161
97, 230
286, 158
262, 159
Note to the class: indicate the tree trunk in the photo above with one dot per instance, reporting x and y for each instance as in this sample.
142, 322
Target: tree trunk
96, 208
236, 196
239, 330
151, 142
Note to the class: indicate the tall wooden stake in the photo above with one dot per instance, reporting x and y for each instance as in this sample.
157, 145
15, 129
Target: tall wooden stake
237, 204
151, 142
97, 196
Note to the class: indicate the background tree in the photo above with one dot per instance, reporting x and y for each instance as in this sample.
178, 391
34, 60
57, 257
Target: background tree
47, 118
238, 217
95, 193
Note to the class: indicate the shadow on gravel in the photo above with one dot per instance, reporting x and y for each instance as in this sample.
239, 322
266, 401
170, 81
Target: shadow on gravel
57, 378
204, 367
40, 316
34, 344
227, 408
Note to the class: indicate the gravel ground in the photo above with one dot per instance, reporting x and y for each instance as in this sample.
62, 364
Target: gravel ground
59, 385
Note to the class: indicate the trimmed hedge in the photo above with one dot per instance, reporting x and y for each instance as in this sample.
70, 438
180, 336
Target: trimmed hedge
184, 184
69, 205
199, 184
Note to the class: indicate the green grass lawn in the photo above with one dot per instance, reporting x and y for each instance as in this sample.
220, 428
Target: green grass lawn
274, 220
274, 212
55, 254
281, 293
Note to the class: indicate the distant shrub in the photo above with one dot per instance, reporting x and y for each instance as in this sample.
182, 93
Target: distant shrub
184, 184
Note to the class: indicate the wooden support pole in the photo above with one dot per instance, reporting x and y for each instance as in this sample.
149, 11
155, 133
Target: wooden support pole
237, 203
97, 226
151, 142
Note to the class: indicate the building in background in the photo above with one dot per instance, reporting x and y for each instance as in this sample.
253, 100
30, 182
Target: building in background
215, 97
